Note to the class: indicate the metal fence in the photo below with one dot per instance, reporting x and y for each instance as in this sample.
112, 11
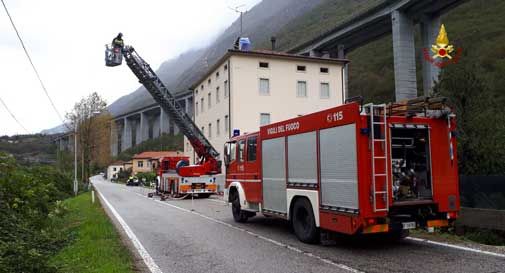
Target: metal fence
485, 192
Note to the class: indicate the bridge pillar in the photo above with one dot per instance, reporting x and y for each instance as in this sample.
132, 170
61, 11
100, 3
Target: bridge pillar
127, 135
429, 30
144, 126
155, 125
136, 133
404, 56
164, 123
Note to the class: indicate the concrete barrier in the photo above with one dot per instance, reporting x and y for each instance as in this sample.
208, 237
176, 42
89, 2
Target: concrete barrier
482, 218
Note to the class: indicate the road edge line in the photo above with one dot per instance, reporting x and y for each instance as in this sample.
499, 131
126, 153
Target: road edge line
275, 242
148, 260
456, 247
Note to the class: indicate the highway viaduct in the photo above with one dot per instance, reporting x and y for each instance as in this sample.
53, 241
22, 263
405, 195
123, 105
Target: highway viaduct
148, 122
398, 17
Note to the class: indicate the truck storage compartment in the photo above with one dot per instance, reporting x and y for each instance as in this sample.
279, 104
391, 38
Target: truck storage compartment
411, 163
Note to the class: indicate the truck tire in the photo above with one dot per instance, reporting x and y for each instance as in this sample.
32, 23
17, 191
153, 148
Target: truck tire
303, 222
239, 215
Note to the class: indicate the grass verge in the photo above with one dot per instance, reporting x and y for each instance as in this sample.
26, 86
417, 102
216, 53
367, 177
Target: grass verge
95, 244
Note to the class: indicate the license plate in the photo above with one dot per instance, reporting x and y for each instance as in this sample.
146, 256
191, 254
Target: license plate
198, 186
409, 225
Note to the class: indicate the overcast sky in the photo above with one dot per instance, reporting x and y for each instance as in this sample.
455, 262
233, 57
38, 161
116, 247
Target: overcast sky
66, 42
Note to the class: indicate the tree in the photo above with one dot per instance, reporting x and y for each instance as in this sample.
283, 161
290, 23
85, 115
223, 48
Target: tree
480, 122
91, 121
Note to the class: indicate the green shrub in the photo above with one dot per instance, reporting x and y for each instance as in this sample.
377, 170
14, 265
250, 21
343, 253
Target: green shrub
146, 178
29, 214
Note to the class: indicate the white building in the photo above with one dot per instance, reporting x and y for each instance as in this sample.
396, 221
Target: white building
247, 89
114, 169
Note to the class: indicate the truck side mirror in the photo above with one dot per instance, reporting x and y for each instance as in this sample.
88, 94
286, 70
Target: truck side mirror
226, 154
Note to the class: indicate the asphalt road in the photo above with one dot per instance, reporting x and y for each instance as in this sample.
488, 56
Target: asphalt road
201, 236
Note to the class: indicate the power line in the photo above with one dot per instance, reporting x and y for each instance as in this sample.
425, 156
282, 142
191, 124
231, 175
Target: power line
31, 62
12, 115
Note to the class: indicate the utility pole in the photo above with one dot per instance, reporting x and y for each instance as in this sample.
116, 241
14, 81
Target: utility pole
76, 188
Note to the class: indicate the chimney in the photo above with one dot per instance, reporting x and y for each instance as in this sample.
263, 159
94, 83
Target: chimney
273, 39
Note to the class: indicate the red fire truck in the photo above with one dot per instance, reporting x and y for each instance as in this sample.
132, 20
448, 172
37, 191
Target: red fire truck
351, 169
172, 184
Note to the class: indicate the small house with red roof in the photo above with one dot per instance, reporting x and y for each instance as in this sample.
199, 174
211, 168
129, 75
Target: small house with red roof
149, 161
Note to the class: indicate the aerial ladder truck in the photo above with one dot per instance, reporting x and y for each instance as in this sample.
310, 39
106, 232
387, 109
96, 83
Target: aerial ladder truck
199, 178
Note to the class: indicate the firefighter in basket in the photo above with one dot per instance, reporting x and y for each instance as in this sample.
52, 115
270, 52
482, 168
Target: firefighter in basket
114, 52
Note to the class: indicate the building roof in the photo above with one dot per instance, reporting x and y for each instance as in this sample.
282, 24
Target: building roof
156, 155
265, 54
117, 163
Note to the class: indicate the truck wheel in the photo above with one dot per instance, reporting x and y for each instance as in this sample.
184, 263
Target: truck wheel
303, 222
239, 215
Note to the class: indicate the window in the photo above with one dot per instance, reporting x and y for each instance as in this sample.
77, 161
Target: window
140, 163
325, 90
225, 67
201, 87
251, 148
196, 110
217, 94
210, 130
324, 70
301, 68
203, 130
301, 89
196, 92
264, 119
226, 91
208, 81
114, 169
263, 64
264, 87
241, 152
201, 105
218, 127
217, 75
226, 124
209, 98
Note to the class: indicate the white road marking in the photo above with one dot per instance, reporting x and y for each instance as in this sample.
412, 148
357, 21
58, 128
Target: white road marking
148, 260
217, 200
457, 247
327, 261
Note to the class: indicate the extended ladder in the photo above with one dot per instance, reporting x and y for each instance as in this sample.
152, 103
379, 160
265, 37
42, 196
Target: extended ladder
378, 116
168, 103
